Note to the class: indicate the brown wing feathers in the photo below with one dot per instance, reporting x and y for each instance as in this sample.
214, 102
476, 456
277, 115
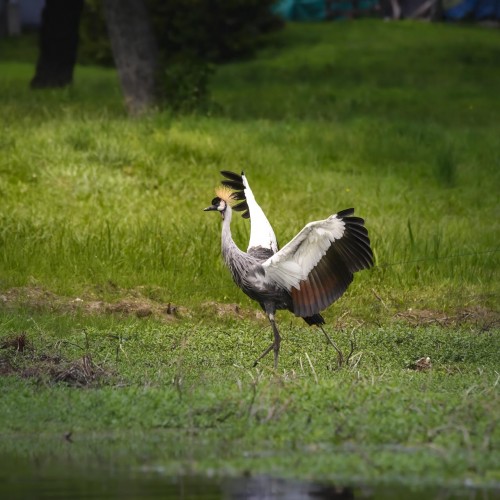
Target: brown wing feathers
324, 285
332, 275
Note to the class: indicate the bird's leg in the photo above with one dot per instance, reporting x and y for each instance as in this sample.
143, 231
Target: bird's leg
277, 340
275, 345
267, 351
340, 360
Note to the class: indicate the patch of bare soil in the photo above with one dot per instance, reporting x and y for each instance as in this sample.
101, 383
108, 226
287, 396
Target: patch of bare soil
221, 310
484, 319
36, 298
39, 299
18, 357
135, 304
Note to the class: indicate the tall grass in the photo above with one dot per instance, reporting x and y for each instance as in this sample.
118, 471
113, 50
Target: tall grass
399, 121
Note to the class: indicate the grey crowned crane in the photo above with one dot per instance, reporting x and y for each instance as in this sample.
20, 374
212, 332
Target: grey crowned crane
307, 275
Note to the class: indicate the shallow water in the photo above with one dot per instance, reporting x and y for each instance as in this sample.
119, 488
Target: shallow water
21, 479
166, 466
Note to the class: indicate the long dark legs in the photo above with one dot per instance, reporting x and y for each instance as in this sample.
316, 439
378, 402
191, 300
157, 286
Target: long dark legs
267, 351
275, 345
334, 345
277, 340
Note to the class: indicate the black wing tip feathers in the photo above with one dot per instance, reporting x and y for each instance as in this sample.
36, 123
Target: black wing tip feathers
237, 186
355, 243
235, 182
231, 175
345, 213
241, 207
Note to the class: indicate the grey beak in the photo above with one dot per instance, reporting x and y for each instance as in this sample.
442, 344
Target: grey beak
210, 208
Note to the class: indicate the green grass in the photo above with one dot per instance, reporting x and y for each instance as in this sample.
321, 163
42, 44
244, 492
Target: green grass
91, 197
399, 120
189, 388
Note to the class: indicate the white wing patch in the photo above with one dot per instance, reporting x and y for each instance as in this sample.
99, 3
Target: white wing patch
261, 231
293, 263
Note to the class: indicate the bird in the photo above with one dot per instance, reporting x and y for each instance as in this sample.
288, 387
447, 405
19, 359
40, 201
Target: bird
306, 275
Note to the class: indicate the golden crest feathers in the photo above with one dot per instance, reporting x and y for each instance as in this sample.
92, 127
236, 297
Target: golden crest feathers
226, 194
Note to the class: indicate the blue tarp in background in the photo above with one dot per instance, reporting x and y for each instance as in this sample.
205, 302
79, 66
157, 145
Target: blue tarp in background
312, 10
471, 9
319, 10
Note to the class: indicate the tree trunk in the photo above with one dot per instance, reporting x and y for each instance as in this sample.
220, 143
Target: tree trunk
135, 52
58, 43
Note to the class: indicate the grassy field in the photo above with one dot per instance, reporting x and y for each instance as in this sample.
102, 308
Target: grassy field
119, 323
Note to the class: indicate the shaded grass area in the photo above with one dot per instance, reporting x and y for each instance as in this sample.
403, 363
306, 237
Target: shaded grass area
397, 72
131, 215
102, 215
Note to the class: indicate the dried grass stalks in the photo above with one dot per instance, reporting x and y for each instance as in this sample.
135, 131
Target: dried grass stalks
82, 372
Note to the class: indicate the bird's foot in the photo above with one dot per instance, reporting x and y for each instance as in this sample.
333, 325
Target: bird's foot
267, 351
340, 356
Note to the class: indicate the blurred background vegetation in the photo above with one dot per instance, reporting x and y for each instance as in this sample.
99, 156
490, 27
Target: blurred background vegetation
192, 35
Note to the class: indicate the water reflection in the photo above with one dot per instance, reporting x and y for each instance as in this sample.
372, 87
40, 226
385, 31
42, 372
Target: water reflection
20, 480
105, 469
269, 488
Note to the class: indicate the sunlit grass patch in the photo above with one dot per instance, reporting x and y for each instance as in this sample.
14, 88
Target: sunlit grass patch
119, 202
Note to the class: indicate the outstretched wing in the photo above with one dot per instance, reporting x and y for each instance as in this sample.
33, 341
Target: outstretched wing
317, 266
261, 232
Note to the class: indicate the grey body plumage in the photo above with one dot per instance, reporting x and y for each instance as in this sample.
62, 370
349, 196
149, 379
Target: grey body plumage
248, 273
307, 275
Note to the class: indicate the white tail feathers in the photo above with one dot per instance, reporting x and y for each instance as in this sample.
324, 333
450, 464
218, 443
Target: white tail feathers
261, 231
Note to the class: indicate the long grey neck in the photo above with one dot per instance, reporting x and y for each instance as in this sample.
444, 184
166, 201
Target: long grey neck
230, 251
